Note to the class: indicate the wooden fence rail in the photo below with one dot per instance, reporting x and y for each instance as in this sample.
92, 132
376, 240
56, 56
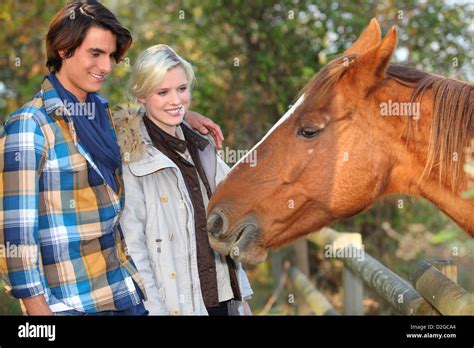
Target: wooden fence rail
441, 290
433, 294
318, 303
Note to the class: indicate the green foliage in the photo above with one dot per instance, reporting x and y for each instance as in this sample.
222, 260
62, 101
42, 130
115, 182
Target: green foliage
8, 305
469, 169
444, 236
251, 60
468, 194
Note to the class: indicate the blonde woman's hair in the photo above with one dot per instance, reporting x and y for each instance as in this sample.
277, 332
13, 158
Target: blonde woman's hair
151, 67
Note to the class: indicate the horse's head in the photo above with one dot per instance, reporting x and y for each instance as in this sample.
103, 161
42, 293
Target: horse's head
323, 162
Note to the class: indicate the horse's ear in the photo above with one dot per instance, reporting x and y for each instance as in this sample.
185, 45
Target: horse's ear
370, 67
369, 38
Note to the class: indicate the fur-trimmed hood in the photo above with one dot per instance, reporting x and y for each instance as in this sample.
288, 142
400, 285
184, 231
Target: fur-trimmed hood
130, 136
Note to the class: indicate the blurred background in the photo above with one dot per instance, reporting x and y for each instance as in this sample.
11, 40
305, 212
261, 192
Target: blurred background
251, 60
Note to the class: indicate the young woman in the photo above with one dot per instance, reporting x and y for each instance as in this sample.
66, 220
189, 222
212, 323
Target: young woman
170, 173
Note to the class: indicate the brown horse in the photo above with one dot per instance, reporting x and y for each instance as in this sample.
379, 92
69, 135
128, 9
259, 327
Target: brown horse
362, 129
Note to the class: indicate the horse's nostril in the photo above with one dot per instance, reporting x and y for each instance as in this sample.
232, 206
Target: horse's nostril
215, 224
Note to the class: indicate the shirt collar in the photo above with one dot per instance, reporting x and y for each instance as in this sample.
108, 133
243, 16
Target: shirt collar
53, 104
191, 136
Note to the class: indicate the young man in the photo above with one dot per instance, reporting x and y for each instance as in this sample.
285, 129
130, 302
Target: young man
61, 189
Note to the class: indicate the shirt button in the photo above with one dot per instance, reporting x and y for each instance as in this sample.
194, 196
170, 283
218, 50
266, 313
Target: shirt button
175, 311
195, 188
173, 275
164, 198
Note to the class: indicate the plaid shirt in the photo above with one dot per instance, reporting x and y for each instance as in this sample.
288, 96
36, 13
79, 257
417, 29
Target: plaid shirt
59, 232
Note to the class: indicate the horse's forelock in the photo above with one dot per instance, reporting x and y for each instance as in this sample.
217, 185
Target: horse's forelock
324, 82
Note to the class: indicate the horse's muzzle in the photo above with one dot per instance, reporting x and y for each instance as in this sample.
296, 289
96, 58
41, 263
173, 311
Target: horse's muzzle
240, 241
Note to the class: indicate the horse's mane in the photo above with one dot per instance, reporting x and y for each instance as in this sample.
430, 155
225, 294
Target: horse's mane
453, 124
453, 109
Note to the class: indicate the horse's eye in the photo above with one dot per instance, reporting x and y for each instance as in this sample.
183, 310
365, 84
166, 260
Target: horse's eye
309, 132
